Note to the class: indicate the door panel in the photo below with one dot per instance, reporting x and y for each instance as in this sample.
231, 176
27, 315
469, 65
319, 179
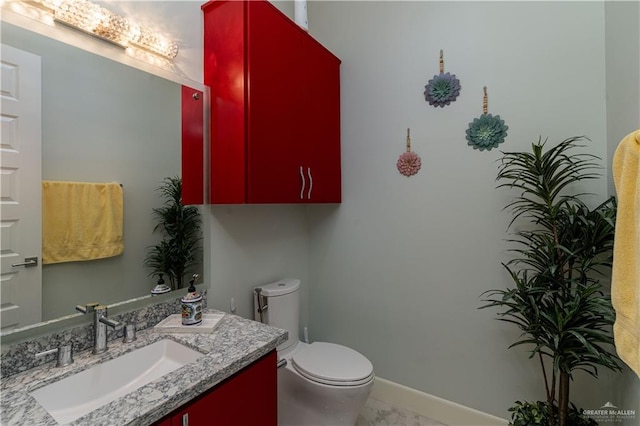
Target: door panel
322, 106
276, 128
248, 398
21, 188
224, 66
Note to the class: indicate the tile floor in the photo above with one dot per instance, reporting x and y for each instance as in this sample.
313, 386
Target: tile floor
379, 413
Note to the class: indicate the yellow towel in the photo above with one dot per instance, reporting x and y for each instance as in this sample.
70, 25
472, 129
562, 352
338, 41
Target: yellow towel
625, 280
81, 221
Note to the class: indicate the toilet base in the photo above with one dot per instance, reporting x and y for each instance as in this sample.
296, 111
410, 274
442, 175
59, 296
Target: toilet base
305, 403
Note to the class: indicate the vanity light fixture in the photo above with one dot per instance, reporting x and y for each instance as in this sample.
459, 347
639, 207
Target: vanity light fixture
101, 22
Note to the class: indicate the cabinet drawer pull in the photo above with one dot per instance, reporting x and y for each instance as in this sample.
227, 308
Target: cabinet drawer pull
303, 183
185, 419
310, 183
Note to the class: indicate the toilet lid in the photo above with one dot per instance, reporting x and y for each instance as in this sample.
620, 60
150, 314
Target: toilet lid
333, 364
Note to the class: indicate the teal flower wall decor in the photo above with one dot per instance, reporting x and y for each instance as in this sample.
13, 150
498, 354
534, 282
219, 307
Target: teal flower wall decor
443, 88
486, 131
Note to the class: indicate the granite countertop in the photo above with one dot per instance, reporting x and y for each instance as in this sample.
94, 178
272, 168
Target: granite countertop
236, 343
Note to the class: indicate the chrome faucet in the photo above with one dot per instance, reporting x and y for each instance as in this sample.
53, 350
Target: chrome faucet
100, 323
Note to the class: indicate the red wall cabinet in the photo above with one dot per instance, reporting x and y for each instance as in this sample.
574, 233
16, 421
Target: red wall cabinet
192, 146
275, 108
248, 398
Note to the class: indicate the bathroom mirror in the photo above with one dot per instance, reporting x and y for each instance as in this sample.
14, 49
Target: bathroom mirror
103, 121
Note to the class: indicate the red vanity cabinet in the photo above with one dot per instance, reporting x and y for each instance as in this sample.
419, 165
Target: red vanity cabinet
275, 108
248, 398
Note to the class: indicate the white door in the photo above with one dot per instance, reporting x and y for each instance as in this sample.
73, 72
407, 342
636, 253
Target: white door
21, 189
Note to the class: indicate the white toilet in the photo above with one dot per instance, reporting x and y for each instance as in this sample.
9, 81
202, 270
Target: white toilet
322, 383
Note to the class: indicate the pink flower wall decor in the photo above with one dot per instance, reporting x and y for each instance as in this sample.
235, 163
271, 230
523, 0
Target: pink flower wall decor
409, 162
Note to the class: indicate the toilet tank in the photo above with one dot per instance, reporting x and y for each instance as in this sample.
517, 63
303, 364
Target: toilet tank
283, 307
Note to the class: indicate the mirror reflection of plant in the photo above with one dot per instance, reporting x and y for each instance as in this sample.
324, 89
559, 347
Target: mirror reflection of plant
557, 302
180, 226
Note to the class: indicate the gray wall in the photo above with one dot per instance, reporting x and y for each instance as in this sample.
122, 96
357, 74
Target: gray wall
253, 245
398, 269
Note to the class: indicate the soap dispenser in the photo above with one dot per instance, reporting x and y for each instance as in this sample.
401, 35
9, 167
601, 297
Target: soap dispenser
160, 287
192, 304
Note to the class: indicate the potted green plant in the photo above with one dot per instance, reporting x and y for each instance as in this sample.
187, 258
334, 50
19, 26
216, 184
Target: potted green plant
557, 300
537, 413
180, 227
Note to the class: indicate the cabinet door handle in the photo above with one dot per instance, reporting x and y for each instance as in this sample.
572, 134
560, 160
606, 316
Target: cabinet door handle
310, 183
185, 419
303, 183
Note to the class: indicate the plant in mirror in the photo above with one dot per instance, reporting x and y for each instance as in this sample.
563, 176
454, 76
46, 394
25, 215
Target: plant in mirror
179, 250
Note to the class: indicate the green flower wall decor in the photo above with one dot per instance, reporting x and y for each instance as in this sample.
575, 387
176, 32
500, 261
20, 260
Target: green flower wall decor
443, 88
486, 131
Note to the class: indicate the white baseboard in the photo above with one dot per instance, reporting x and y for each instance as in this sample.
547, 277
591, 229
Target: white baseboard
430, 406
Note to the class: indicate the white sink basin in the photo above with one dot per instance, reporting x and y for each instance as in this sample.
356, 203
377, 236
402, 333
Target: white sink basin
77, 395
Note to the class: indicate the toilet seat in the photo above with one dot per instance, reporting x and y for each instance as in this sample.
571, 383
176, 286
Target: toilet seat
332, 364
